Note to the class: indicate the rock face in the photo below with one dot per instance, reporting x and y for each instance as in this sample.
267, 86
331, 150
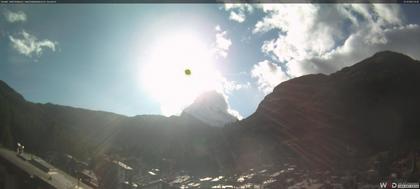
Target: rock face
211, 108
362, 109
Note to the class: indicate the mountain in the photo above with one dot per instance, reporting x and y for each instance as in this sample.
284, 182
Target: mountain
154, 141
358, 111
315, 120
211, 108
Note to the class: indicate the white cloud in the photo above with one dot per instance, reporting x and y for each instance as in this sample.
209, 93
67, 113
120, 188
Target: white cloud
237, 16
223, 43
229, 109
301, 32
238, 11
28, 44
315, 38
235, 113
231, 86
400, 39
268, 75
13, 17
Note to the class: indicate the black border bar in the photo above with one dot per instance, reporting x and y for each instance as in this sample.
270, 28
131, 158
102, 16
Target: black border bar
204, 1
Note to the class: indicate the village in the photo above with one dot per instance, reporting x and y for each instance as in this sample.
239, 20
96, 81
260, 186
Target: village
34, 171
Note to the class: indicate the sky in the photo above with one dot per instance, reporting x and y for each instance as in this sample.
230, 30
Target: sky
131, 58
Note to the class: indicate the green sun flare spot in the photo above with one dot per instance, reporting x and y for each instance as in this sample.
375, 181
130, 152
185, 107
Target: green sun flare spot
187, 72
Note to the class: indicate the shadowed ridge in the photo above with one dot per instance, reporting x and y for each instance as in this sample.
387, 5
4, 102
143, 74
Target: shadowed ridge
324, 119
7, 92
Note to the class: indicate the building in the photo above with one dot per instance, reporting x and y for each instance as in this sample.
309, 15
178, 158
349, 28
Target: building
89, 177
22, 170
115, 175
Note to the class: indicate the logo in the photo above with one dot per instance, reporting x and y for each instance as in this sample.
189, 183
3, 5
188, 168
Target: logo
398, 185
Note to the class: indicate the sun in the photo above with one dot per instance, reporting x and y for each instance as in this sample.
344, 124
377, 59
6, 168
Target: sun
180, 67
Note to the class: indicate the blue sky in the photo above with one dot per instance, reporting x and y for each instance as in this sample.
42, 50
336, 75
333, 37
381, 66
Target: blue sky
102, 56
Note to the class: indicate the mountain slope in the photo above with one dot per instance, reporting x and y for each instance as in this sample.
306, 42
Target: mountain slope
322, 120
155, 141
359, 110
